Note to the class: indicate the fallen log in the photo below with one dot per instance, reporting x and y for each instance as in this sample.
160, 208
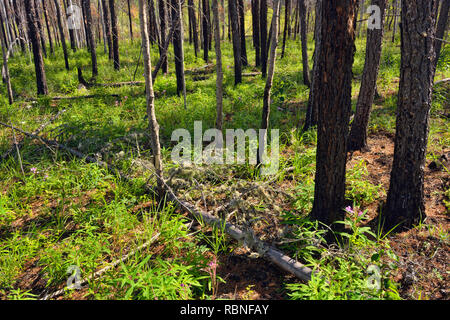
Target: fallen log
441, 81
246, 237
89, 96
251, 74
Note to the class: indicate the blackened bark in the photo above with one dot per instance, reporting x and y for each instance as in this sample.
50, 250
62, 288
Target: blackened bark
193, 22
232, 6
287, 16
311, 111
130, 20
255, 32
34, 36
405, 200
241, 12
163, 18
90, 35
205, 29
269, 80
115, 35
61, 33
441, 27
358, 134
107, 29
334, 100
219, 71
178, 45
263, 35
47, 24
304, 40
20, 25
40, 29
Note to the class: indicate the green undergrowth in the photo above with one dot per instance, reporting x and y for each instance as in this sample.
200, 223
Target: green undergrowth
58, 211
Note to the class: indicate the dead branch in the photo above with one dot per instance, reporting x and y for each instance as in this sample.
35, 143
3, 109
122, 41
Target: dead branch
105, 269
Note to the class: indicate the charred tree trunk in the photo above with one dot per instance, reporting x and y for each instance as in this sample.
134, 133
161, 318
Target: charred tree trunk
441, 27
206, 27
130, 19
242, 32
219, 71
61, 33
90, 36
40, 29
405, 200
287, 16
150, 97
177, 20
311, 111
333, 95
232, 4
255, 32
396, 7
358, 134
269, 80
263, 35
193, 22
107, 29
304, 40
34, 35
115, 35
20, 25
47, 24
164, 19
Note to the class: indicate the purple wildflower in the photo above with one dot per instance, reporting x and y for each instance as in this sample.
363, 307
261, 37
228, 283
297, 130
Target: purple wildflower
34, 170
349, 209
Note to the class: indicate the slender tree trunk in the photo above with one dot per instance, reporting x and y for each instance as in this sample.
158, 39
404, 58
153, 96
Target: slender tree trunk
164, 19
34, 35
241, 12
219, 71
263, 37
5, 62
47, 24
90, 36
61, 33
361, 17
269, 80
441, 27
311, 111
255, 32
177, 19
72, 34
115, 35
287, 14
358, 134
396, 7
206, 27
304, 40
193, 21
130, 19
108, 29
40, 29
233, 12
20, 25
405, 200
150, 97
333, 96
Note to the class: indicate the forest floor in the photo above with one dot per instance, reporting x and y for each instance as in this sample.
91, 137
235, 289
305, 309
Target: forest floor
58, 211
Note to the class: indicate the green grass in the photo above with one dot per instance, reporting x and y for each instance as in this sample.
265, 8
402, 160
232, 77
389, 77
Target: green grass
61, 211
